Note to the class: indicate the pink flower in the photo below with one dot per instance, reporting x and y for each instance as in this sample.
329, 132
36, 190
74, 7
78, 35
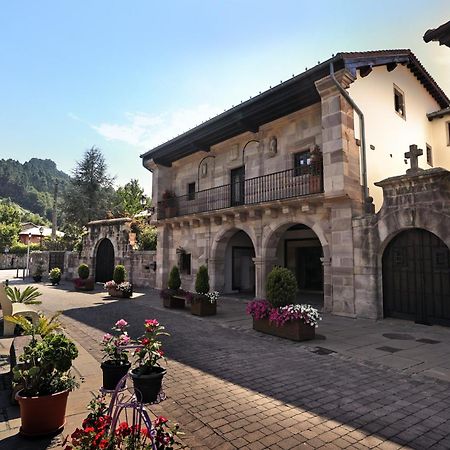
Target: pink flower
150, 323
106, 337
124, 339
121, 323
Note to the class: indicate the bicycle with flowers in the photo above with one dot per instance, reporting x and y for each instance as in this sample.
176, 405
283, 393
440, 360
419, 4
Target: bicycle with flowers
125, 423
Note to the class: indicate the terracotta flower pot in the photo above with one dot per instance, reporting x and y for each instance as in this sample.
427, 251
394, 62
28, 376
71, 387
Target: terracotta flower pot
42, 416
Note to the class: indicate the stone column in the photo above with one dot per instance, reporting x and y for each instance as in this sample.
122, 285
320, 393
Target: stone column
340, 153
162, 256
216, 269
343, 192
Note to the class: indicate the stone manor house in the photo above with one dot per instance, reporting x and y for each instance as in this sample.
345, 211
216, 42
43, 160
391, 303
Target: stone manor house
310, 175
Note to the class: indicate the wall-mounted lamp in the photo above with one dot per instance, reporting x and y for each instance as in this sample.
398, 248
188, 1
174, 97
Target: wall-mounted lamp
153, 266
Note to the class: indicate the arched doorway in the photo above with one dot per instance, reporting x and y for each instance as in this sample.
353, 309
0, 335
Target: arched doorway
239, 265
104, 262
416, 278
298, 248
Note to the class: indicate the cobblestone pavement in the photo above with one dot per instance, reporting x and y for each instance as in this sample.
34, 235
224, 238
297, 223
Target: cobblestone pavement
230, 387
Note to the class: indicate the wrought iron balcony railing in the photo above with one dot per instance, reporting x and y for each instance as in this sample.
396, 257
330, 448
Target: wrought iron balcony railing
296, 182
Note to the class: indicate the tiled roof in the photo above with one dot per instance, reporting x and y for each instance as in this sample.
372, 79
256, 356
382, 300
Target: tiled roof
287, 97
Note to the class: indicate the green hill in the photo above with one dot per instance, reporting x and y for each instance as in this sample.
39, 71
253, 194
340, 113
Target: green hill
31, 184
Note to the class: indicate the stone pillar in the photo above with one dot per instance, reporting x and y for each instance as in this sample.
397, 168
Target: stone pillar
327, 286
162, 256
343, 192
216, 269
262, 269
341, 168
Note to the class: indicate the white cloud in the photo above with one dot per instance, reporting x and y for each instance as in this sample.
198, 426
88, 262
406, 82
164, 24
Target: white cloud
147, 131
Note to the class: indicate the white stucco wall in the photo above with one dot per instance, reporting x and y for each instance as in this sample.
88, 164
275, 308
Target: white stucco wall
388, 131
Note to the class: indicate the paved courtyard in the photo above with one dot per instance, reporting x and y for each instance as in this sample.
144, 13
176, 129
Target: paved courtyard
361, 384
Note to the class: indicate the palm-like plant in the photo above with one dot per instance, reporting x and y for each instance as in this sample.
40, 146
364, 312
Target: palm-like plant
28, 296
44, 326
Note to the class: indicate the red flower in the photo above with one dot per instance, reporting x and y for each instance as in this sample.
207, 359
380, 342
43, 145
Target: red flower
160, 353
160, 421
104, 444
145, 341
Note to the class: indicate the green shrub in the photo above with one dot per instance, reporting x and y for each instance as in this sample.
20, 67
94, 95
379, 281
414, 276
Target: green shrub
202, 281
281, 287
119, 274
21, 249
83, 271
174, 279
55, 273
147, 238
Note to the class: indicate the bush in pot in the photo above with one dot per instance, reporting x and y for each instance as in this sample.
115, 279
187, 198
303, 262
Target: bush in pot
83, 282
115, 365
173, 296
202, 281
120, 274
147, 376
55, 276
281, 287
37, 274
43, 373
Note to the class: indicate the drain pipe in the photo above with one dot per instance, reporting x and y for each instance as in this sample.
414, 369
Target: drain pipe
362, 131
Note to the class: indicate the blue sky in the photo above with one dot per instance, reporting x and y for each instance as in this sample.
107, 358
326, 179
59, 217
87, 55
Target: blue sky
126, 76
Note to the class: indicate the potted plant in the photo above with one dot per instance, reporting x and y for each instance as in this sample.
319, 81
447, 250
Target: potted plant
83, 282
44, 375
115, 365
147, 376
55, 276
100, 430
118, 287
38, 271
173, 296
279, 315
203, 303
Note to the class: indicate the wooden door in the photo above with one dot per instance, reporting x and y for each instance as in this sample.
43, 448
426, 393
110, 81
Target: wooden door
416, 278
104, 264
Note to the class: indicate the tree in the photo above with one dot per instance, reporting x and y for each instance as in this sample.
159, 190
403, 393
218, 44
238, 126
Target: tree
129, 197
90, 193
9, 224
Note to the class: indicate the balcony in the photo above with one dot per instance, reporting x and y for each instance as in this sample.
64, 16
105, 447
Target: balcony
296, 182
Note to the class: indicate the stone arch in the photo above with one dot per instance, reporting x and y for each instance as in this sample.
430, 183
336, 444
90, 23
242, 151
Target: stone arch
393, 223
219, 272
274, 233
104, 260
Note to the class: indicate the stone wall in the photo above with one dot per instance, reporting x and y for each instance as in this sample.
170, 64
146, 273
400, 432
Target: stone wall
420, 200
142, 269
12, 261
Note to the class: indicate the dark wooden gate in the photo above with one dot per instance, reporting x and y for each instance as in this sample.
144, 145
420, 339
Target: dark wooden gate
104, 264
416, 278
56, 259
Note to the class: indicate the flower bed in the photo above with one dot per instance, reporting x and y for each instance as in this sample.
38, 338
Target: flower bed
295, 322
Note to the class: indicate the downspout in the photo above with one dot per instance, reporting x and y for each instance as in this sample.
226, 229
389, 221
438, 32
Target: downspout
362, 131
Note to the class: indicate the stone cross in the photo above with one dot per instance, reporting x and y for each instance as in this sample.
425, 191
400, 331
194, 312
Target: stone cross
413, 156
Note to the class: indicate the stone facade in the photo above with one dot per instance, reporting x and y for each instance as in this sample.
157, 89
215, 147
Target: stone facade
140, 265
326, 127
276, 232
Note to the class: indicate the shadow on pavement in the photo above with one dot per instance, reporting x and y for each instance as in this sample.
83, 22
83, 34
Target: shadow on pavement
366, 397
